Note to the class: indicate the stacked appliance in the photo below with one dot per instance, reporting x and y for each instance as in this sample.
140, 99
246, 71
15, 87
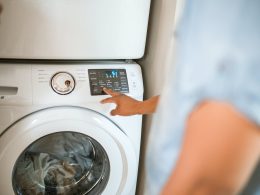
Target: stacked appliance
55, 59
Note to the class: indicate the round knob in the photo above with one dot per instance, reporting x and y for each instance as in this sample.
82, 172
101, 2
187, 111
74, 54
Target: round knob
63, 83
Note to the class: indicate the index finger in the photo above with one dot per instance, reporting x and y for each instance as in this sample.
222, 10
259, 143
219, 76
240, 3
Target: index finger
110, 92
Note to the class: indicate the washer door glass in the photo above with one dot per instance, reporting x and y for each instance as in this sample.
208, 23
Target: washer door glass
62, 163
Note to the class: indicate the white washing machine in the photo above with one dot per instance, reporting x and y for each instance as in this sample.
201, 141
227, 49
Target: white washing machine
56, 137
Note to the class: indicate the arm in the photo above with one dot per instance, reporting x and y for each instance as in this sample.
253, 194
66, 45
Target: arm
127, 106
220, 151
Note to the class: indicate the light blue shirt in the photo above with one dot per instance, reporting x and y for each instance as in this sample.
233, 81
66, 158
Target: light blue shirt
218, 59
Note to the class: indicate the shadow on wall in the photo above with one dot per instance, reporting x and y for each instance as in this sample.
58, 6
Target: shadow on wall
158, 60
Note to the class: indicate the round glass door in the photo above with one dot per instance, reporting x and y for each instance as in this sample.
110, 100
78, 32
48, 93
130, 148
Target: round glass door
64, 163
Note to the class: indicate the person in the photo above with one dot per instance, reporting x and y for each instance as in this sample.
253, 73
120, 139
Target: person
206, 135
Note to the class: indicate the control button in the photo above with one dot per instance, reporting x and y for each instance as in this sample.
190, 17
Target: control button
134, 85
63, 83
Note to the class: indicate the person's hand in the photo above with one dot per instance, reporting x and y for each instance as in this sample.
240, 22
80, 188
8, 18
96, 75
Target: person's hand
125, 105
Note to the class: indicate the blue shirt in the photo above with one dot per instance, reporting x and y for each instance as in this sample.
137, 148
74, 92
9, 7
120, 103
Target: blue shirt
218, 58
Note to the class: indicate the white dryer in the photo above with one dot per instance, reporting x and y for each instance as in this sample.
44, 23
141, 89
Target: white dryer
56, 137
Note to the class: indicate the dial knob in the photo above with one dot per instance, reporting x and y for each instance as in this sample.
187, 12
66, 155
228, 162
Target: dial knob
63, 83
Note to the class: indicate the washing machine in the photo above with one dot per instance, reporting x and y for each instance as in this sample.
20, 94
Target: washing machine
55, 135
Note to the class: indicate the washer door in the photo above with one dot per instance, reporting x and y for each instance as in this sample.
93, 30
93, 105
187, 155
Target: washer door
66, 150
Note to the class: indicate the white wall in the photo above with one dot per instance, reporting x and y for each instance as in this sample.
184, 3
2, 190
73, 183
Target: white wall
157, 61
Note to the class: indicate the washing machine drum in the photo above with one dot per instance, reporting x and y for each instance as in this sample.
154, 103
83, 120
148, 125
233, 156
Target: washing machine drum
66, 150
62, 163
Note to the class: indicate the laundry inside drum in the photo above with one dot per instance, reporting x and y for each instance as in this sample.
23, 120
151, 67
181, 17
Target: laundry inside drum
64, 163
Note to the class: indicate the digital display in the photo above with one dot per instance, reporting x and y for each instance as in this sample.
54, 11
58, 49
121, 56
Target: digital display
115, 79
112, 74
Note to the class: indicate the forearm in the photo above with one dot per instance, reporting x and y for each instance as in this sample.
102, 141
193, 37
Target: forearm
220, 150
196, 186
148, 106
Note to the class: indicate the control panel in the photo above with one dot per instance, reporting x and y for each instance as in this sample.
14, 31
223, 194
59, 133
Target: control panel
67, 84
81, 83
115, 79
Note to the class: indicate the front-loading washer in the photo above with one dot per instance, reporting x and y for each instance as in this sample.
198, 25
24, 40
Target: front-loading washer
56, 137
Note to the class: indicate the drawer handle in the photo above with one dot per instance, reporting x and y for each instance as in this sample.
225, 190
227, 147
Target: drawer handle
6, 90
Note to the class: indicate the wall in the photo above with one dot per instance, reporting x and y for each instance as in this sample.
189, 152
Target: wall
158, 60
